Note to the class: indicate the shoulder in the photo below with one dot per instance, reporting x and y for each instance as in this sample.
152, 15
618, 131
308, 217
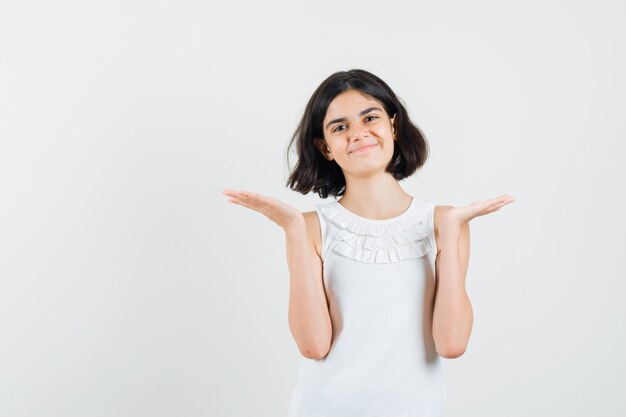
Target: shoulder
314, 231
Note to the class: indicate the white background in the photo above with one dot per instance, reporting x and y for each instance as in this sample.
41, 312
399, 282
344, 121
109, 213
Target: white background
129, 286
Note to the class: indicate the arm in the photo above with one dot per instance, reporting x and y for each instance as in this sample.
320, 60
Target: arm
309, 318
453, 316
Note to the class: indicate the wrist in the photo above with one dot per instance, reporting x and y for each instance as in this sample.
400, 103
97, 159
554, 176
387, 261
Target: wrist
449, 228
296, 225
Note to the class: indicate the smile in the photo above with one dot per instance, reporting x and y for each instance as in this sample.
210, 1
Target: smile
364, 149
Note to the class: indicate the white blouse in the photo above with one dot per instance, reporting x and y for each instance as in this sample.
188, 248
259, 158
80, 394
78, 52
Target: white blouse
379, 278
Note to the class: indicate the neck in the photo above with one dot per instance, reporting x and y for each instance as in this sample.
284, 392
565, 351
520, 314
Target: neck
375, 197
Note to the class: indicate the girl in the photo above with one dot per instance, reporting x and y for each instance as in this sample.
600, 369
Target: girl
377, 278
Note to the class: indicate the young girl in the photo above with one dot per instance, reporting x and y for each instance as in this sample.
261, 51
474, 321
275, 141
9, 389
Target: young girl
377, 278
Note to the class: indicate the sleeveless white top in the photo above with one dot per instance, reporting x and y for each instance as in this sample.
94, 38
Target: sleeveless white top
379, 278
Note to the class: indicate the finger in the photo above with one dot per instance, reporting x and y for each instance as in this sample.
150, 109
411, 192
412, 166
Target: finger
229, 192
494, 201
242, 203
248, 194
234, 200
495, 208
255, 199
242, 195
498, 202
506, 198
250, 200
480, 207
492, 208
505, 202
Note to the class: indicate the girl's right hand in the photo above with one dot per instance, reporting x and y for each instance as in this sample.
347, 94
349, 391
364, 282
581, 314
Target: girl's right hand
280, 213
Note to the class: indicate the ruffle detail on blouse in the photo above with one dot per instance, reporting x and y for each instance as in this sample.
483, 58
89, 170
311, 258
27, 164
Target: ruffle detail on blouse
379, 243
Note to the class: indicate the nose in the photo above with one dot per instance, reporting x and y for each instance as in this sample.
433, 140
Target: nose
358, 131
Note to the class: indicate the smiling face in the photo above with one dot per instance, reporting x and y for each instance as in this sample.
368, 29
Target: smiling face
358, 134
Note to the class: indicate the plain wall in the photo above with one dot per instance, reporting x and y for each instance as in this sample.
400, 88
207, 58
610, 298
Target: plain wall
129, 286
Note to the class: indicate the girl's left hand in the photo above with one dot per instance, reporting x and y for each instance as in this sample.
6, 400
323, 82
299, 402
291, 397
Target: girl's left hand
457, 216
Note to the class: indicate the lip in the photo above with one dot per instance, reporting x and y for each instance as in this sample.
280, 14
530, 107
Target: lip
363, 149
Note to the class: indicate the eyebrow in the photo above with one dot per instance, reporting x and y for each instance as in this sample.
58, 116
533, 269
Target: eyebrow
343, 119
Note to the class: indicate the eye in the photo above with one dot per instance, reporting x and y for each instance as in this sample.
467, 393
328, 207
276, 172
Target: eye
336, 129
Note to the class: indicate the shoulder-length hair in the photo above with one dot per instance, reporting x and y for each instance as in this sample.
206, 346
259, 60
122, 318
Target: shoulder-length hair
314, 172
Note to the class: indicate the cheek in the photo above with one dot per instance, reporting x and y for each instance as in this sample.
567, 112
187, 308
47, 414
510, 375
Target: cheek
337, 148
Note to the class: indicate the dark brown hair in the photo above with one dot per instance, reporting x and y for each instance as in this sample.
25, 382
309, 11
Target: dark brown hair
314, 172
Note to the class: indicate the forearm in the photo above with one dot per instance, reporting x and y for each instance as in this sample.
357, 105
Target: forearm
309, 319
452, 316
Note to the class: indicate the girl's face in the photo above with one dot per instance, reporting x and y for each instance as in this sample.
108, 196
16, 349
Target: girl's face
358, 134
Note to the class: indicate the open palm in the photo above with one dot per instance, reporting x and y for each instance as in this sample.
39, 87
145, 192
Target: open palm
463, 214
280, 213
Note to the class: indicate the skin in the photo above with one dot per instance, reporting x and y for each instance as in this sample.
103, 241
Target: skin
373, 193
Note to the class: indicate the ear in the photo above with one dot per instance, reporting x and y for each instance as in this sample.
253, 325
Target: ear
393, 126
322, 146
